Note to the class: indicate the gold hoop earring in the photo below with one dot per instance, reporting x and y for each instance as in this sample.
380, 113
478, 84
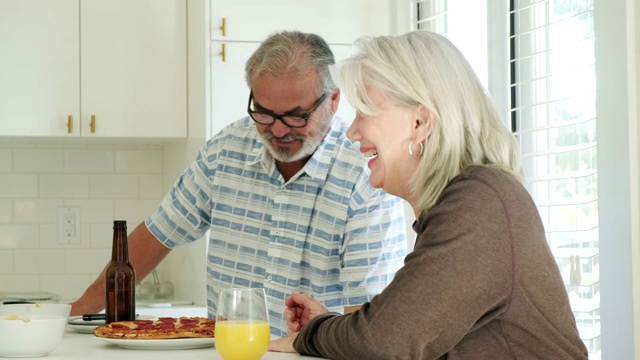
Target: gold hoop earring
411, 150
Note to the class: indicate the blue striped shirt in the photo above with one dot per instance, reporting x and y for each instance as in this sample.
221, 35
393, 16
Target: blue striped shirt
325, 232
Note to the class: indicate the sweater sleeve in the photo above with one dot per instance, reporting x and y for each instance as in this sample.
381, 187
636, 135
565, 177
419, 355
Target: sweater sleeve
304, 343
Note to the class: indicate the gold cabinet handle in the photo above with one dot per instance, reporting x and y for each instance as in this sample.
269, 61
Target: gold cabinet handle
223, 27
70, 124
224, 53
93, 124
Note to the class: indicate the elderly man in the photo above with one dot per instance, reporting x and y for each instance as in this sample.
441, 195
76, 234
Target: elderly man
284, 193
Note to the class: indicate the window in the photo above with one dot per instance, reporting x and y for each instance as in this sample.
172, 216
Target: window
552, 113
454, 18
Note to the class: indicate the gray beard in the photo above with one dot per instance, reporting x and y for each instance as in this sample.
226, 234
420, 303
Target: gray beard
309, 145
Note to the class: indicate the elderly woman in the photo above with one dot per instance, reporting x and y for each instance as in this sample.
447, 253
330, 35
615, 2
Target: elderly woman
481, 282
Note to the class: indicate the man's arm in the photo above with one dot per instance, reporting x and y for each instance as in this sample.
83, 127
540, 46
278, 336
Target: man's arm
145, 253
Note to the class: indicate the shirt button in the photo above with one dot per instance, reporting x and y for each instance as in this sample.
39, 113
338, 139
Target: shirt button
269, 278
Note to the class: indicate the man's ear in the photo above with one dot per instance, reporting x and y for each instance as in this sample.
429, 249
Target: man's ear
424, 123
335, 100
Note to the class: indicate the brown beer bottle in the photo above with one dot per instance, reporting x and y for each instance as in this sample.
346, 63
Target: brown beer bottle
120, 278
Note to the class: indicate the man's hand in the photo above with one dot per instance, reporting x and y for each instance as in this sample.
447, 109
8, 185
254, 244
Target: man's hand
300, 309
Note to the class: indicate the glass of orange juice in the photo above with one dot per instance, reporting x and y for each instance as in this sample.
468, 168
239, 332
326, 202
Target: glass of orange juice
242, 324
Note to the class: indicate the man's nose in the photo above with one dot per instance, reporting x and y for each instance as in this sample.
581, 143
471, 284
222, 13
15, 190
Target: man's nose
279, 129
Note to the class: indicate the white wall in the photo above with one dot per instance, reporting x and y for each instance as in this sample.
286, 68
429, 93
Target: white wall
617, 131
185, 266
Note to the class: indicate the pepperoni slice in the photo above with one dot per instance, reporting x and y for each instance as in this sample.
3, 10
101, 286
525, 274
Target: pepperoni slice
142, 322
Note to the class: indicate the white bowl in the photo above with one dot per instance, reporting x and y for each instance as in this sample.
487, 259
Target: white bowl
35, 309
31, 330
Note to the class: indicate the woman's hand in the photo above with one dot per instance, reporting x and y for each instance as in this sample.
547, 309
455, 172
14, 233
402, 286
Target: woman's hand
301, 308
283, 344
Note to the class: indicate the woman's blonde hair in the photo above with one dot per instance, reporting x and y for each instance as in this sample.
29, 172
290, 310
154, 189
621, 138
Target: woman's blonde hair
425, 68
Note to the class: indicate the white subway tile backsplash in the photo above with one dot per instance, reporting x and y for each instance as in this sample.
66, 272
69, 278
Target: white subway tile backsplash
102, 234
38, 160
19, 236
114, 186
6, 262
14, 186
105, 181
68, 287
134, 211
92, 161
36, 211
6, 160
151, 187
19, 283
39, 261
64, 186
6, 212
138, 161
93, 210
49, 237
87, 261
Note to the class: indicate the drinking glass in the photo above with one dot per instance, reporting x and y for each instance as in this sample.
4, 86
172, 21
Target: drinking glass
242, 325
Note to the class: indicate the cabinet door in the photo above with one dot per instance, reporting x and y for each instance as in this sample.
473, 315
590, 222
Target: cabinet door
39, 62
133, 69
229, 90
338, 21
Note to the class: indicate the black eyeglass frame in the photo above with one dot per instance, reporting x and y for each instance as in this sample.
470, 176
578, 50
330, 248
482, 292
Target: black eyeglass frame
306, 116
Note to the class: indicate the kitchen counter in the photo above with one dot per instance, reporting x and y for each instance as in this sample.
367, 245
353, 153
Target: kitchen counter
76, 345
85, 346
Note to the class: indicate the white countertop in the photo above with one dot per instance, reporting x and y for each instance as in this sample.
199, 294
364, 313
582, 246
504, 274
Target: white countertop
75, 345
85, 346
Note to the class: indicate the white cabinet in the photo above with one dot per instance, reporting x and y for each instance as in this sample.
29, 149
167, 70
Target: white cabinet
229, 92
337, 21
39, 66
119, 63
134, 68
238, 27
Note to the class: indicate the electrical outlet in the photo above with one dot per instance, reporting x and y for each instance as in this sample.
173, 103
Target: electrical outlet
69, 225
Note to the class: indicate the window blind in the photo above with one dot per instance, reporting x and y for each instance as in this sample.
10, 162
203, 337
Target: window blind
553, 115
431, 15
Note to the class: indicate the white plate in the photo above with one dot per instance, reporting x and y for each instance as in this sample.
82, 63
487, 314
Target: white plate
84, 328
161, 344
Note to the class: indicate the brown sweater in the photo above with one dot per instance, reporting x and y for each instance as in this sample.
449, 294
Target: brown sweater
481, 283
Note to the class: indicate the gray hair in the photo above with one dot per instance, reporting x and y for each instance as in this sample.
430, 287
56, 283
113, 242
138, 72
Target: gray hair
292, 52
424, 68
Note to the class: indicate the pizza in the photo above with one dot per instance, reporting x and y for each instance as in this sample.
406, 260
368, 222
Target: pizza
161, 328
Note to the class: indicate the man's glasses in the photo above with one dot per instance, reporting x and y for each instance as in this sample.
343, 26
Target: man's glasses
291, 120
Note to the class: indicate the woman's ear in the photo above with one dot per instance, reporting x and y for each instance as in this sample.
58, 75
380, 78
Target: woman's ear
424, 124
